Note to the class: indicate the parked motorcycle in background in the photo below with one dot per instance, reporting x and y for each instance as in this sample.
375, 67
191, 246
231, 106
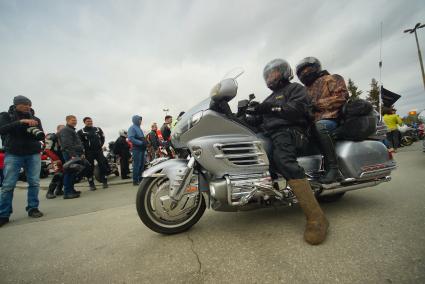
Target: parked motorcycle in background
112, 167
408, 135
421, 117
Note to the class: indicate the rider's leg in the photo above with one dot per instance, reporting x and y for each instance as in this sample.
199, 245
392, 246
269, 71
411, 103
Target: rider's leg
324, 130
285, 161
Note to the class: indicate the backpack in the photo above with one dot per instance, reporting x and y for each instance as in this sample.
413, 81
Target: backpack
356, 108
359, 121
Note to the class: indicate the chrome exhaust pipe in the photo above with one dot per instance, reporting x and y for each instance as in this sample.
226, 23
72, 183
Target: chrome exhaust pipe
341, 189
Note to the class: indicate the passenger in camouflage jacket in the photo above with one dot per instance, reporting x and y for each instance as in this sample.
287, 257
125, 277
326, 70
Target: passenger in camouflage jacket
328, 94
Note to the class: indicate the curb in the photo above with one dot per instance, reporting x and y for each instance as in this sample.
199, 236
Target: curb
44, 186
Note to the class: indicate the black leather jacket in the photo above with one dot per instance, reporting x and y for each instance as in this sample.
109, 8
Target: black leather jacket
296, 109
121, 147
92, 138
70, 142
15, 137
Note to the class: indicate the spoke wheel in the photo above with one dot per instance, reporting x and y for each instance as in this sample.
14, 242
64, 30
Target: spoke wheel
406, 140
153, 207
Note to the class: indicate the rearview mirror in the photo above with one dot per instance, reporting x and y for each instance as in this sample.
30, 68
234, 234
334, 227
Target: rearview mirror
224, 91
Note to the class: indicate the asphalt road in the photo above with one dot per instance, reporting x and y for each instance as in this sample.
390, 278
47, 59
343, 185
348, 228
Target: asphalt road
377, 235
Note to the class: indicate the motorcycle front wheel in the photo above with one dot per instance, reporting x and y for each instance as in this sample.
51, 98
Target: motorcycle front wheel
151, 204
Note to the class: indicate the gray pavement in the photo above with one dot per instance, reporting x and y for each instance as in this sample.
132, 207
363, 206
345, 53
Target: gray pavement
377, 235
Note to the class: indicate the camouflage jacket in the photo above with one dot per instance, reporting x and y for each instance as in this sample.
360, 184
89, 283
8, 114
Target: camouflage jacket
328, 94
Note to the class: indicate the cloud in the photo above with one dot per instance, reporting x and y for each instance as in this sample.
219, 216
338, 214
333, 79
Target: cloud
113, 59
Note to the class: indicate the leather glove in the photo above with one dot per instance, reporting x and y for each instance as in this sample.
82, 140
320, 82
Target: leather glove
252, 108
265, 107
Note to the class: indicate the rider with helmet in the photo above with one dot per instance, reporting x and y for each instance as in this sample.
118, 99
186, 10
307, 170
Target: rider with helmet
286, 115
122, 149
328, 94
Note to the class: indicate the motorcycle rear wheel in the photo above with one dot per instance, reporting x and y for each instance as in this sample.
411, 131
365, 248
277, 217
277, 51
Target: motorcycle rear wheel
156, 218
96, 173
330, 198
406, 140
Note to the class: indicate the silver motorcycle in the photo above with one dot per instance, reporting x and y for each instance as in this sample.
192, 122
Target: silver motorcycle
223, 165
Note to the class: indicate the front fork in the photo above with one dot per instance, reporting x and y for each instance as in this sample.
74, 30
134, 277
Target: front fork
181, 183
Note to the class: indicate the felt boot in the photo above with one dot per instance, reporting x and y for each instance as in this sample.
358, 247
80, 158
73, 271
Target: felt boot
317, 224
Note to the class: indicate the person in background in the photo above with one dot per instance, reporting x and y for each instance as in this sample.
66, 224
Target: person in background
137, 139
153, 142
53, 151
93, 140
72, 148
21, 133
166, 134
52, 147
1, 166
122, 149
392, 120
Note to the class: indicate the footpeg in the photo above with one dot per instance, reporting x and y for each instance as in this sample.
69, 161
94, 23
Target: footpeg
331, 185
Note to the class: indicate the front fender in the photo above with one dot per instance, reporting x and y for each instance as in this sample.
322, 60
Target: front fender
170, 168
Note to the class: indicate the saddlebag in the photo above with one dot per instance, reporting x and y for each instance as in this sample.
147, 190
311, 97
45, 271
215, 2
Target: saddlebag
364, 160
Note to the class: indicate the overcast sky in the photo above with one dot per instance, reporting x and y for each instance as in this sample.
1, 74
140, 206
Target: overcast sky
113, 59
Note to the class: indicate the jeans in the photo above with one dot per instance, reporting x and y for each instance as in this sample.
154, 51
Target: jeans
393, 139
1, 177
68, 178
138, 164
13, 165
329, 124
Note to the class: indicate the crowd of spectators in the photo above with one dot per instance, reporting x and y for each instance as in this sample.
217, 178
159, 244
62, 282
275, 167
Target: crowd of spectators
74, 154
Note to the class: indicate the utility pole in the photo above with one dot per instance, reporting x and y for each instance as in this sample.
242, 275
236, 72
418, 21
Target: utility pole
380, 77
418, 26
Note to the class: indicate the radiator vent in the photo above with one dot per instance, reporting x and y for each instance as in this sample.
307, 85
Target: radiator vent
241, 153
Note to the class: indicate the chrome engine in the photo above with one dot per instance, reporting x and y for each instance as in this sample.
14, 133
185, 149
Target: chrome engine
238, 192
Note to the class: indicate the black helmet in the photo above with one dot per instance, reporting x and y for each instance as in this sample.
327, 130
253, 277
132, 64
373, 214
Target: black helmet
308, 78
276, 73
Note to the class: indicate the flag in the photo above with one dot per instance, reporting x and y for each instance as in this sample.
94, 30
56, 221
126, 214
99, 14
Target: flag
388, 98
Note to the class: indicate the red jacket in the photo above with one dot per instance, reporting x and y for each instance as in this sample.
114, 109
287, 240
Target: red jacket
1, 161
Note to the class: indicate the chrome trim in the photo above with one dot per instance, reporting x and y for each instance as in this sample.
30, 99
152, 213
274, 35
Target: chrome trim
230, 156
378, 171
241, 188
242, 154
182, 180
341, 189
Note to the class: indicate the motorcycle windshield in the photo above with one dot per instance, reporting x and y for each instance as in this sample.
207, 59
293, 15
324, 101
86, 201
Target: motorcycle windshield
184, 123
225, 90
